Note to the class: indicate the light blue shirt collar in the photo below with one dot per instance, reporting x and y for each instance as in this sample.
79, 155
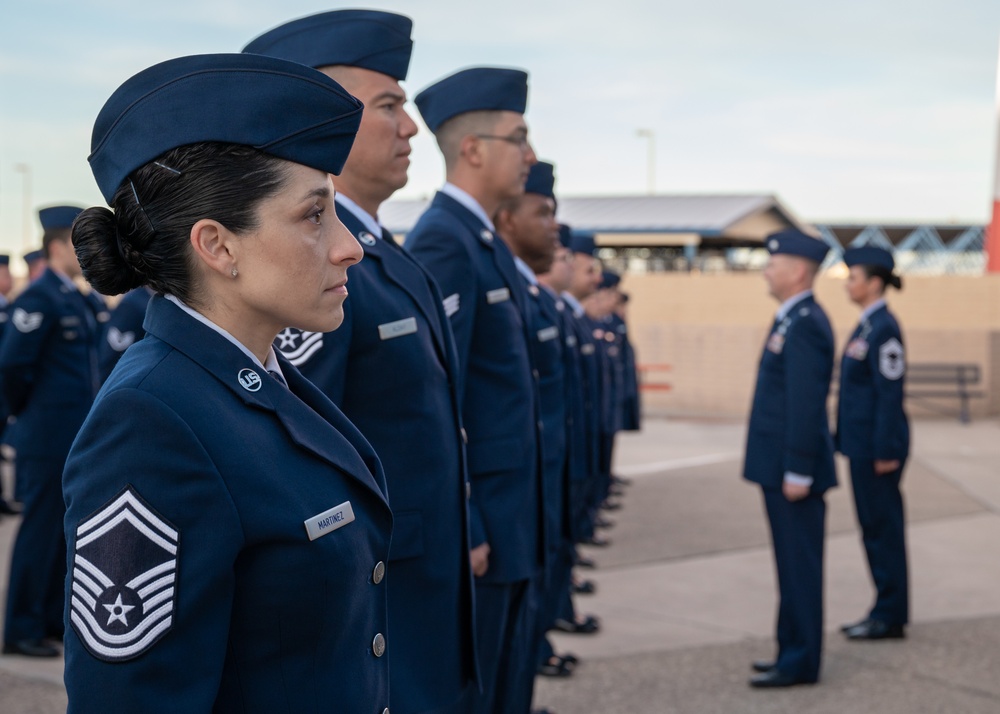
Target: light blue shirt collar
367, 220
786, 307
524, 270
272, 360
450, 189
867, 312
574, 304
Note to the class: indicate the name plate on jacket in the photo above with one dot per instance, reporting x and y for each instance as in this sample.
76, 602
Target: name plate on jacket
549, 333
329, 521
397, 328
498, 295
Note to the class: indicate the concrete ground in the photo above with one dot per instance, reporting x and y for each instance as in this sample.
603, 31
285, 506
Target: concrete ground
686, 592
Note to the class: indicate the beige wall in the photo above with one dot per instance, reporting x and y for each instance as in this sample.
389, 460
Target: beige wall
710, 329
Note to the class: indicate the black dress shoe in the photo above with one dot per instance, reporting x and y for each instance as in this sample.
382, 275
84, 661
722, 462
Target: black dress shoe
583, 587
611, 505
30, 648
8, 509
555, 666
584, 562
603, 523
773, 678
852, 625
875, 630
620, 480
762, 665
587, 626
597, 541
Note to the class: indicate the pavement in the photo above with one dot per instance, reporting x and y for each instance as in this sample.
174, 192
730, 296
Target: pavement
686, 591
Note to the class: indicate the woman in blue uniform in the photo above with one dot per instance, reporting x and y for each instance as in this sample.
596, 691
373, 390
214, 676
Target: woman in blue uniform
227, 526
872, 431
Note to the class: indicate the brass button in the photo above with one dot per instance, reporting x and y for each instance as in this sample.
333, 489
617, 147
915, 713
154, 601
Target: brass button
378, 573
378, 645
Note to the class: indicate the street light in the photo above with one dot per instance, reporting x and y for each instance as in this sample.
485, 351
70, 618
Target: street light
25, 172
650, 158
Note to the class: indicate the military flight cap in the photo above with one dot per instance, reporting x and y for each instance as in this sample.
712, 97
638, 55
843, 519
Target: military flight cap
795, 242
869, 255
56, 217
474, 89
4, 259
34, 255
541, 180
583, 244
610, 279
370, 39
565, 236
282, 108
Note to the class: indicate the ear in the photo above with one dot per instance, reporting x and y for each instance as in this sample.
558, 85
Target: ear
214, 245
471, 149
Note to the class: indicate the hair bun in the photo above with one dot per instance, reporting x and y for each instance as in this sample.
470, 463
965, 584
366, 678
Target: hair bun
99, 246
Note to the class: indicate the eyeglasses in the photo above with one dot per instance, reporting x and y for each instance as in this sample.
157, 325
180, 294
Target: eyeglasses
518, 140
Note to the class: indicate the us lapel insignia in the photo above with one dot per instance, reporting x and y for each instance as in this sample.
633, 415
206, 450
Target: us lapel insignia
124, 577
366, 238
249, 380
486, 235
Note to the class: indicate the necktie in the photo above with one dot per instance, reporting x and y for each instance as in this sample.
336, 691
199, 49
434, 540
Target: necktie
278, 378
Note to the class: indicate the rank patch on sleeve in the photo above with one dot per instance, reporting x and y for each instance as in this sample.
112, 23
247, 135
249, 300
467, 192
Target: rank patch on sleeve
124, 578
298, 346
891, 362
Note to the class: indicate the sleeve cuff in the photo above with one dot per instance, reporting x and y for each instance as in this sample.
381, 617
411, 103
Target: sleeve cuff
798, 479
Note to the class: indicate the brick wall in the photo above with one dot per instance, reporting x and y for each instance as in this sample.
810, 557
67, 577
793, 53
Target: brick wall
710, 329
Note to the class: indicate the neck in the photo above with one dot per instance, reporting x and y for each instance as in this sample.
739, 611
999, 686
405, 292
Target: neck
868, 301
254, 334
369, 200
490, 203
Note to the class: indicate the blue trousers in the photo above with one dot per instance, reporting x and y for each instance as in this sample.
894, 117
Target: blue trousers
879, 505
504, 629
35, 591
797, 530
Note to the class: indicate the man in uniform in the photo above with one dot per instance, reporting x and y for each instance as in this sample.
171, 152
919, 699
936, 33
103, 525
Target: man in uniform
6, 285
790, 453
124, 327
477, 118
49, 374
392, 366
35, 260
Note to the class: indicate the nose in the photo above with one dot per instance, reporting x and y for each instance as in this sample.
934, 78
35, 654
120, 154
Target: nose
344, 249
529, 156
407, 127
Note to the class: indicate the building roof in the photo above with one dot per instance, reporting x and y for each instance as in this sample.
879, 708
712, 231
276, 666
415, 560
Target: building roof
746, 217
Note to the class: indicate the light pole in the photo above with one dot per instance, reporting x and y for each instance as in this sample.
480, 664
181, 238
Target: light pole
650, 158
25, 171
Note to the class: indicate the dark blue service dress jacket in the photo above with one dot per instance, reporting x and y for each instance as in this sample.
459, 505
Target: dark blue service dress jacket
789, 428
871, 423
484, 296
124, 328
49, 366
227, 538
391, 367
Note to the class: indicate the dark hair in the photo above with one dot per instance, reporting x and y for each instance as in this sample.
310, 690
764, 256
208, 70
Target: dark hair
886, 276
146, 239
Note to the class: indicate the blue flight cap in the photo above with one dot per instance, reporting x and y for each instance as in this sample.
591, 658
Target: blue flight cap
565, 236
476, 89
56, 217
541, 180
583, 244
370, 39
282, 108
4, 259
609, 279
33, 256
869, 255
794, 242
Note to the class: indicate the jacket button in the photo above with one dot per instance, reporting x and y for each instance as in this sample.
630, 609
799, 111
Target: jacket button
378, 645
378, 573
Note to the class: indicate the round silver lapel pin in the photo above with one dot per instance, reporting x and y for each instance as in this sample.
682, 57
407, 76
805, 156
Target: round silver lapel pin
486, 235
366, 238
249, 380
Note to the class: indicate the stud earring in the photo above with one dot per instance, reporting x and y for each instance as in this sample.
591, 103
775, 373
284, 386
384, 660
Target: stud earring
234, 272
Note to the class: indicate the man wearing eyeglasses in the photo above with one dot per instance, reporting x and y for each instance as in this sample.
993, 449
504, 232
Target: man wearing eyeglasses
476, 115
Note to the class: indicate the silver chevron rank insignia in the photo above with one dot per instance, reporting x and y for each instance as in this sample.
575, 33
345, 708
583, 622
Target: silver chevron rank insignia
124, 578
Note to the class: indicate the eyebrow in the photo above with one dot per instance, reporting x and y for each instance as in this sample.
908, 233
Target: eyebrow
318, 192
398, 96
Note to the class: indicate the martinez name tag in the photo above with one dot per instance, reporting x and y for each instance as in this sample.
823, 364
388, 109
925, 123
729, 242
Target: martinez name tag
329, 521
406, 326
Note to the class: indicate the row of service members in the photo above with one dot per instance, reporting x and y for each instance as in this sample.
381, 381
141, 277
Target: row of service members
410, 367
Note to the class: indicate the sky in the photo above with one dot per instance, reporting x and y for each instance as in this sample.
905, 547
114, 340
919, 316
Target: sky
854, 111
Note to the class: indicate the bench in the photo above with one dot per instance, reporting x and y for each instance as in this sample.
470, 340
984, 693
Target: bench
944, 380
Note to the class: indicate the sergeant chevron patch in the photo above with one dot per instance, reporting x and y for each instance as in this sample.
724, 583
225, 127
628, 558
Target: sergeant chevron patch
27, 321
124, 578
298, 346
